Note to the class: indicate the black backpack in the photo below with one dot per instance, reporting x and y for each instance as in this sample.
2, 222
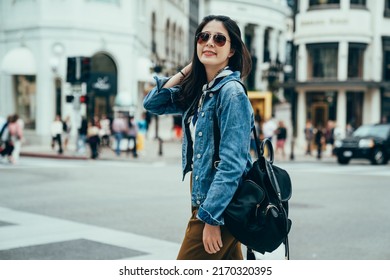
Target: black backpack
258, 213
257, 216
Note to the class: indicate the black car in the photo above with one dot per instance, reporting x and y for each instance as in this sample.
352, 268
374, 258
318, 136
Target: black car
370, 142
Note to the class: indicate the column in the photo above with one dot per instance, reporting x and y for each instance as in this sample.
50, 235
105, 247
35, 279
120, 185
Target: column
341, 116
345, 5
342, 66
301, 119
259, 48
273, 44
303, 5
367, 105
282, 47
375, 105
242, 25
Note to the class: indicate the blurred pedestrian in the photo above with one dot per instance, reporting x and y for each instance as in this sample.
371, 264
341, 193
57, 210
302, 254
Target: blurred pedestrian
281, 136
131, 134
349, 130
82, 136
269, 128
329, 137
17, 129
219, 61
105, 131
8, 136
93, 139
119, 128
177, 127
56, 130
67, 128
319, 139
309, 135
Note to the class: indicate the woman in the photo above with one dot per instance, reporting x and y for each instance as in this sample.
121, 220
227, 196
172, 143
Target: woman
207, 89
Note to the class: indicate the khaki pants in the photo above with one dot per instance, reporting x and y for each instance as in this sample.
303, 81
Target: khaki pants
192, 247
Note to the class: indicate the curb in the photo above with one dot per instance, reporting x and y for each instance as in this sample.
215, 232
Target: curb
42, 155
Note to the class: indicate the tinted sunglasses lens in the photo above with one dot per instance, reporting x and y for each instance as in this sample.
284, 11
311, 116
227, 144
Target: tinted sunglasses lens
219, 40
203, 37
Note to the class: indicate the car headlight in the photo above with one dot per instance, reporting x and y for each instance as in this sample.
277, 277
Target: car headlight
338, 143
366, 143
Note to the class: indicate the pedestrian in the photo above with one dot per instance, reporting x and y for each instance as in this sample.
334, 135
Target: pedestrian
349, 130
319, 139
105, 130
131, 134
8, 137
177, 127
56, 134
17, 129
309, 134
269, 128
119, 128
205, 91
93, 139
67, 128
281, 136
82, 136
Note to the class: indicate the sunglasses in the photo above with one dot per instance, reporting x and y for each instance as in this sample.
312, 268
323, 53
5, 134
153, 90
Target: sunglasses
218, 38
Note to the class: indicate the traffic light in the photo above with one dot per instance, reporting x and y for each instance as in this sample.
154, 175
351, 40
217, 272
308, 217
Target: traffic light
69, 98
85, 68
84, 99
78, 69
71, 70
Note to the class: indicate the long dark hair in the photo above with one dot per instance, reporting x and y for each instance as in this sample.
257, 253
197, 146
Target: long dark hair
240, 61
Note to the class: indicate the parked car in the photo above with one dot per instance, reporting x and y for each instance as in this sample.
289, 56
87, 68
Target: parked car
370, 142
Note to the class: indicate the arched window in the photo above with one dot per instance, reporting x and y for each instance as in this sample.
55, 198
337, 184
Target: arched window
154, 47
173, 42
167, 37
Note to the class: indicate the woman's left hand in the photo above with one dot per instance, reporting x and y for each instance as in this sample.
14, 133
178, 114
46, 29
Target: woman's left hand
212, 240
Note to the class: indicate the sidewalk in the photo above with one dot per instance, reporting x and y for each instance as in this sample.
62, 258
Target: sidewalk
169, 151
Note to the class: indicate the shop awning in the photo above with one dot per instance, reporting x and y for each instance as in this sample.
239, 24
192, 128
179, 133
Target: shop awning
19, 61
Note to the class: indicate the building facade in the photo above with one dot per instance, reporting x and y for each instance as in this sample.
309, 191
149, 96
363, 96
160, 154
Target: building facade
266, 28
125, 41
342, 63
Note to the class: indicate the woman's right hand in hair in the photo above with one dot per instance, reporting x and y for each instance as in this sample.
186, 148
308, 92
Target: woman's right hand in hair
178, 77
187, 69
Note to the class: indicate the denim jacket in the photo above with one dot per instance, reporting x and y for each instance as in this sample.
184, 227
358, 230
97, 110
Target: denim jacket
212, 187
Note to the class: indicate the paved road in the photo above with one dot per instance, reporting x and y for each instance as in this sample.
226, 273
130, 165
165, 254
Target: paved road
69, 209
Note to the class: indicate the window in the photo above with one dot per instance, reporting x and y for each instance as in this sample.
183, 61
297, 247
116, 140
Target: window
154, 45
387, 8
355, 60
386, 58
321, 107
322, 61
355, 108
385, 112
324, 4
358, 2
113, 2
266, 53
167, 37
25, 99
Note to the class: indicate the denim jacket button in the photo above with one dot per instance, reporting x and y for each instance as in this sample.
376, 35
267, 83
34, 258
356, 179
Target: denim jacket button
196, 177
211, 95
198, 202
200, 133
202, 114
198, 155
